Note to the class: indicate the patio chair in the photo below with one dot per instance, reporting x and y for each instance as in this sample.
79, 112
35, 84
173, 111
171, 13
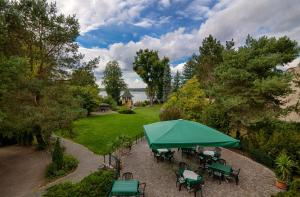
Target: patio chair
200, 171
196, 188
156, 155
179, 180
127, 176
217, 175
222, 161
183, 165
142, 187
234, 175
169, 155
217, 152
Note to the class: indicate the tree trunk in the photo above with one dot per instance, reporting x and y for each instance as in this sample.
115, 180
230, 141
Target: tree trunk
39, 137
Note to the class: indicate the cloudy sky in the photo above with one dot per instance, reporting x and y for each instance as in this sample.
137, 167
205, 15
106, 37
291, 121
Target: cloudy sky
116, 29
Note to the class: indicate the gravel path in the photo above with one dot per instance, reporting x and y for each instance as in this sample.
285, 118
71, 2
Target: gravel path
255, 179
88, 163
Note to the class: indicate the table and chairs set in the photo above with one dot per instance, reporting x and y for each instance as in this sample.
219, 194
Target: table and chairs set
128, 186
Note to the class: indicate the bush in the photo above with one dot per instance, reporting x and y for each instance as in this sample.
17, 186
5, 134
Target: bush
69, 164
141, 103
112, 103
171, 113
126, 111
96, 184
262, 157
57, 155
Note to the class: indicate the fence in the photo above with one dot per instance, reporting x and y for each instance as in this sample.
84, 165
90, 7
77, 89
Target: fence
112, 161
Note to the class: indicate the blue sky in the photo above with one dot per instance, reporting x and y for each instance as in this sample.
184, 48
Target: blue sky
116, 29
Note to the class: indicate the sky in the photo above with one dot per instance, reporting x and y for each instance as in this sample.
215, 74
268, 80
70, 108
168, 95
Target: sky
116, 29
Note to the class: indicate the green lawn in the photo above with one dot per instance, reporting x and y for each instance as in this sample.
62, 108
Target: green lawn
97, 132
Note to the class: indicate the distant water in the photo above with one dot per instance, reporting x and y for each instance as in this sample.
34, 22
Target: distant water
137, 96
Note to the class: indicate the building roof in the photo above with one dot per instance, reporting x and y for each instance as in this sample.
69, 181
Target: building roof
127, 94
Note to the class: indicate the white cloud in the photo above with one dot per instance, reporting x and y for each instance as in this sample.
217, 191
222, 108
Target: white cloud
165, 3
227, 19
95, 13
178, 67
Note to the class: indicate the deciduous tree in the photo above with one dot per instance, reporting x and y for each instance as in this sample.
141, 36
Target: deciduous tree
113, 81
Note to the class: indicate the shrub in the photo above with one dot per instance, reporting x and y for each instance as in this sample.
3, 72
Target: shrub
171, 113
284, 167
57, 155
96, 184
69, 164
262, 157
126, 111
112, 103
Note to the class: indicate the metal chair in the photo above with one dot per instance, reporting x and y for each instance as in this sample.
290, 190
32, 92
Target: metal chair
127, 176
142, 187
179, 180
222, 161
217, 152
183, 165
196, 188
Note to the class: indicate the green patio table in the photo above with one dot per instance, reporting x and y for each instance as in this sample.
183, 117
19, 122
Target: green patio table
125, 188
224, 169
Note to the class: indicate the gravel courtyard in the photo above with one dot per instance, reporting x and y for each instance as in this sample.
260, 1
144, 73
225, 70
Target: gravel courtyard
255, 179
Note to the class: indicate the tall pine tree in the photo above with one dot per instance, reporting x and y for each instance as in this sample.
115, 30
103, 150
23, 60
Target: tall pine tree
177, 81
167, 82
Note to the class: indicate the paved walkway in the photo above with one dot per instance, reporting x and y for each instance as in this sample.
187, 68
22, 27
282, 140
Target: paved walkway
88, 163
255, 179
22, 169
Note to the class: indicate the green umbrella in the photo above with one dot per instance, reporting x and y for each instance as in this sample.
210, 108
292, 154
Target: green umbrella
185, 134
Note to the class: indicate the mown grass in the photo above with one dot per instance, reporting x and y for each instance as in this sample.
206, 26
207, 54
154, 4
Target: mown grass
98, 132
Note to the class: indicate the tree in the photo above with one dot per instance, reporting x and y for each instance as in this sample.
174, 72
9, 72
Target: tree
177, 81
248, 84
167, 83
84, 86
210, 56
112, 80
190, 99
57, 155
38, 45
149, 67
164, 64
189, 68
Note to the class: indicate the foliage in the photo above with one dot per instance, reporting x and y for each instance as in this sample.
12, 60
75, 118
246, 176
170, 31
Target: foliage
96, 184
151, 69
109, 100
210, 57
167, 80
177, 81
189, 68
293, 190
88, 96
126, 111
57, 155
170, 113
69, 164
84, 86
284, 167
121, 142
262, 157
98, 132
38, 53
113, 81
248, 83
216, 116
190, 99
141, 103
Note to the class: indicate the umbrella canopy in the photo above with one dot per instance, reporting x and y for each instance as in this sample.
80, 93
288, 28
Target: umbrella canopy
184, 134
